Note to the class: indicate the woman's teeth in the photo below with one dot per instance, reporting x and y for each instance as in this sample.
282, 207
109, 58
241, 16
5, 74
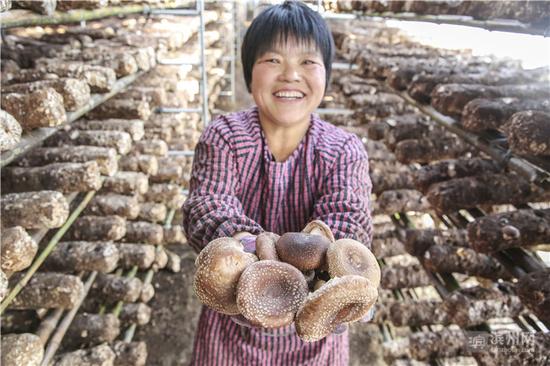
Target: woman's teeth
289, 95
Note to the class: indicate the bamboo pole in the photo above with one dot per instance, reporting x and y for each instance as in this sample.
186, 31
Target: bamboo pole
47, 250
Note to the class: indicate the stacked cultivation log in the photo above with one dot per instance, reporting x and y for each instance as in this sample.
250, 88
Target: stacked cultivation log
493, 233
446, 343
177, 123
451, 169
135, 313
174, 261
134, 127
21, 349
174, 235
119, 108
490, 114
146, 164
75, 92
115, 288
18, 250
528, 133
45, 7
161, 259
97, 228
425, 150
447, 259
537, 345
169, 194
41, 108
100, 79
34, 210
376, 130
164, 134
103, 156
451, 98
147, 293
156, 97
152, 212
130, 353
113, 204
63, 177
150, 147
128, 183
534, 291
409, 127
3, 285
475, 305
143, 232
418, 241
468, 192
390, 182
169, 171
401, 200
388, 247
140, 255
49, 290
404, 277
121, 141
99, 355
10, 131
75, 256
92, 329
27, 76
366, 100
417, 313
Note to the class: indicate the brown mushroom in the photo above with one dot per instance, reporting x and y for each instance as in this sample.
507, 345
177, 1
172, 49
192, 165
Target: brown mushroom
318, 227
265, 246
340, 300
219, 267
270, 293
348, 256
303, 251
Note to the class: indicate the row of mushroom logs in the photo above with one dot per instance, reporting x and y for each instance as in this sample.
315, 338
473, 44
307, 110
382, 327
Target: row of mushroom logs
307, 278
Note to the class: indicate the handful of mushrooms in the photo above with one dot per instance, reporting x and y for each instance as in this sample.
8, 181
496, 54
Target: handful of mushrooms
308, 278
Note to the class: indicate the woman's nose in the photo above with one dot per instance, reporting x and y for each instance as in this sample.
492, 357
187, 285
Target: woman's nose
290, 73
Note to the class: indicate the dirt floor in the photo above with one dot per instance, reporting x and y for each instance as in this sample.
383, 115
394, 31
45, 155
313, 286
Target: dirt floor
176, 309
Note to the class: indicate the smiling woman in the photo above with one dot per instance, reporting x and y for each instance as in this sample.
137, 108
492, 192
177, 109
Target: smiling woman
272, 169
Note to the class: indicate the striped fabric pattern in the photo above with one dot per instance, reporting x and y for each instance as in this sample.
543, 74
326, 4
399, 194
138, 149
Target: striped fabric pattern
236, 185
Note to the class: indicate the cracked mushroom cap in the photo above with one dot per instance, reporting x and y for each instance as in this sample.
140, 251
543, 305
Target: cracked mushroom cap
318, 227
350, 257
340, 300
219, 267
265, 246
303, 251
270, 293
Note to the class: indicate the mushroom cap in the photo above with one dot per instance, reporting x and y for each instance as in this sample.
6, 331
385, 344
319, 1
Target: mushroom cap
270, 293
340, 300
303, 251
265, 246
348, 256
318, 227
219, 267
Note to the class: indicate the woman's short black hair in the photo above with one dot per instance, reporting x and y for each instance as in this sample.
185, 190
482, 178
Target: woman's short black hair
291, 19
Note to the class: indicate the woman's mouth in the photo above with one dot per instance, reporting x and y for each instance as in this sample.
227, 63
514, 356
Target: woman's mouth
289, 95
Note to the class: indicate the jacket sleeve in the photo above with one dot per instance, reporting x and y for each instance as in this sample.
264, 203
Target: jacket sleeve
212, 209
345, 194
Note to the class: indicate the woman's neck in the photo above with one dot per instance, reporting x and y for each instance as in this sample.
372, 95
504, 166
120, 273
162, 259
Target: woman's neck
283, 140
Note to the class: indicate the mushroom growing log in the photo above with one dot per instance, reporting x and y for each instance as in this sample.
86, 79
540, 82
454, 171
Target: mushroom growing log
18, 250
128, 183
10, 131
150, 147
389, 247
447, 259
99, 355
152, 212
522, 349
451, 169
168, 172
115, 288
42, 108
97, 228
140, 255
390, 182
134, 127
169, 194
468, 192
155, 96
534, 291
175, 235
493, 233
174, 261
400, 200
130, 353
146, 164
143, 232
34, 210
113, 204
425, 150
417, 313
528, 133
21, 349
395, 277
120, 108
103, 156
418, 241
49, 291
63, 177
75, 92
75, 256
121, 141
135, 313
100, 79
92, 329
445, 343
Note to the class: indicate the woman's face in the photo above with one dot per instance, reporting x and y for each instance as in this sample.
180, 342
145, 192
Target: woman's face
288, 83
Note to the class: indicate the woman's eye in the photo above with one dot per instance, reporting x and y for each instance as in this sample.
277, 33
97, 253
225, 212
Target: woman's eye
272, 60
309, 62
